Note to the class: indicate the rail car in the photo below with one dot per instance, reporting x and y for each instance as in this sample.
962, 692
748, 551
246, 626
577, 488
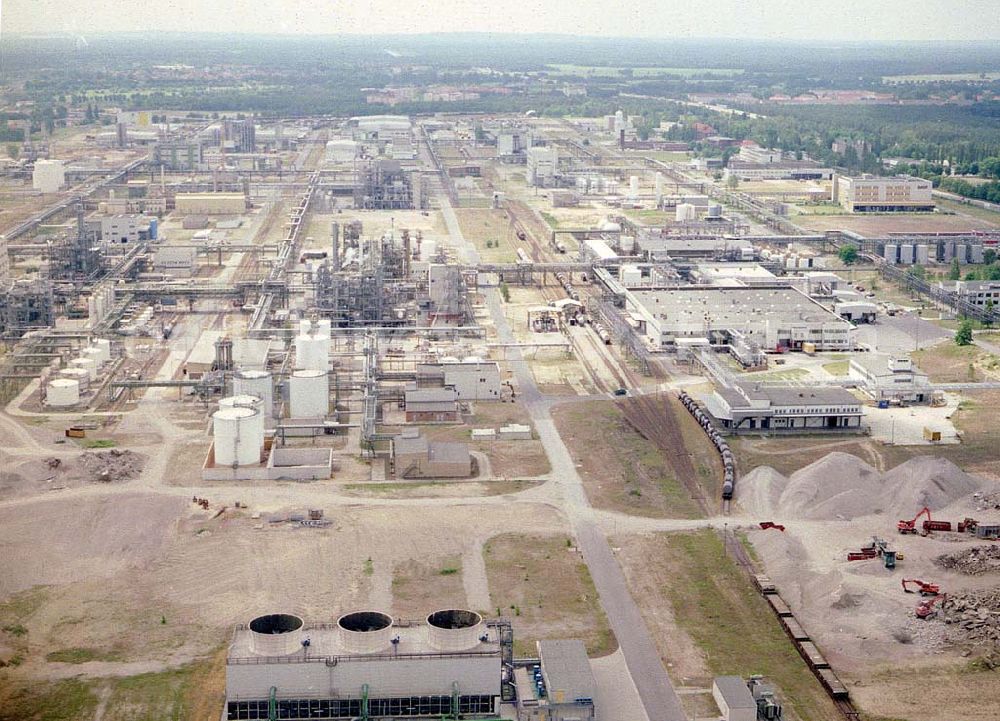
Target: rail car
721, 446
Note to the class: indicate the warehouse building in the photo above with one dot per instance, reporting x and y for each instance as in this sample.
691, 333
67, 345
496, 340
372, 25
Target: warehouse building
367, 666
472, 379
774, 317
871, 194
887, 378
210, 203
561, 687
414, 456
752, 407
431, 405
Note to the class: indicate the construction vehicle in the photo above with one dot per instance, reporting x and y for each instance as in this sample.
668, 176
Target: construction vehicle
926, 609
924, 589
764, 525
877, 547
968, 525
911, 526
930, 525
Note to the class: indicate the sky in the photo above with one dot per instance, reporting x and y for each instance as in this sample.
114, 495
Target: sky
783, 20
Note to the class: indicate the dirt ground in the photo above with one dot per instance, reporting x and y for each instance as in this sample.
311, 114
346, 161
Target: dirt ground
950, 363
713, 623
880, 225
482, 225
541, 583
424, 585
621, 470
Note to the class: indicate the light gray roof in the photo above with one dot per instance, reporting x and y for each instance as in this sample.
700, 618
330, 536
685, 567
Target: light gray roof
430, 395
735, 692
783, 396
567, 670
444, 452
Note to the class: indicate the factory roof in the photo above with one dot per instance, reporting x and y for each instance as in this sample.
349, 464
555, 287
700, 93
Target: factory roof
702, 244
432, 398
735, 692
724, 307
567, 671
741, 395
445, 452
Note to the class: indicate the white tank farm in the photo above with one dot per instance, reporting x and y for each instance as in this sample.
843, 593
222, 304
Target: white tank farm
88, 364
239, 436
80, 375
255, 383
95, 353
453, 630
62, 392
247, 401
105, 346
312, 352
308, 394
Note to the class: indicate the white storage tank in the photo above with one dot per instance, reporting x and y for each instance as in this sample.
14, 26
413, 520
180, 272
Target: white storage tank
923, 255
62, 392
95, 353
685, 212
305, 326
248, 401
276, 634
452, 630
239, 436
312, 352
80, 375
308, 394
365, 631
255, 383
87, 364
322, 327
105, 346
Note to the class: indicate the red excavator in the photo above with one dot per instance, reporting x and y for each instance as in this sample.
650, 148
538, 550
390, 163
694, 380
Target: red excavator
925, 609
911, 526
924, 589
771, 524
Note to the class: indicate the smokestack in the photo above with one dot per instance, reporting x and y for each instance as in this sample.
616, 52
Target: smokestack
335, 237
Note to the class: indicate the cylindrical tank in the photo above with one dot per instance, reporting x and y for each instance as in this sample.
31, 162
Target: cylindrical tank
276, 634
322, 327
88, 364
105, 345
80, 375
365, 631
239, 436
312, 352
248, 401
454, 629
95, 353
906, 254
308, 394
62, 392
255, 383
685, 212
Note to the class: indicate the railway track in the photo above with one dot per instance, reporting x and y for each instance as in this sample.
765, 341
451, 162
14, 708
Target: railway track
653, 417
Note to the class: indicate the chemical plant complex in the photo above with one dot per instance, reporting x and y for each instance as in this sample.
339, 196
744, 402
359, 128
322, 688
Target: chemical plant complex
452, 415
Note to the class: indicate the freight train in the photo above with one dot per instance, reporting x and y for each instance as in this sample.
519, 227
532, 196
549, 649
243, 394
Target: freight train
728, 460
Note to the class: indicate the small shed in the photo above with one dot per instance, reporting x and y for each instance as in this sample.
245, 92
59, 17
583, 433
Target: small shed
733, 697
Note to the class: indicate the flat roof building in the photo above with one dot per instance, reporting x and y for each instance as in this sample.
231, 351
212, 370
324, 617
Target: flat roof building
414, 456
888, 378
754, 407
562, 688
872, 194
733, 697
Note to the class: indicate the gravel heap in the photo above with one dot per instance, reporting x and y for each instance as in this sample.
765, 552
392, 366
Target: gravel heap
972, 561
973, 616
842, 486
111, 466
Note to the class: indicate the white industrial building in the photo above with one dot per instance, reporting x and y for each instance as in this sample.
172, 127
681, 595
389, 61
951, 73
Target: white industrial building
752, 407
367, 666
48, 176
775, 317
733, 697
341, 150
889, 378
872, 194
543, 165
980, 293
179, 262
561, 687
210, 203
473, 379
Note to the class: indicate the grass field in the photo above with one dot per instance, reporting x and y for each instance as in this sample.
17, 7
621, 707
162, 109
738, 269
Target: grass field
950, 363
542, 584
621, 470
604, 71
714, 607
988, 216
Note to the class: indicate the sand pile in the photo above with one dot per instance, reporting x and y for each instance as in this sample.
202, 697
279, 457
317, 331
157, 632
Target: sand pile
842, 486
973, 561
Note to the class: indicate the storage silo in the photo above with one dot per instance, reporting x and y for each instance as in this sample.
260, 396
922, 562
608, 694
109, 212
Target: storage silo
365, 632
891, 253
452, 630
255, 383
906, 255
87, 364
104, 345
923, 254
276, 634
62, 392
308, 394
976, 253
312, 352
239, 436
93, 352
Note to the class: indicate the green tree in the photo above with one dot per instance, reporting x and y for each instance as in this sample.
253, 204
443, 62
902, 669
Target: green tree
732, 182
963, 336
989, 256
848, 254
505, 292
955, 273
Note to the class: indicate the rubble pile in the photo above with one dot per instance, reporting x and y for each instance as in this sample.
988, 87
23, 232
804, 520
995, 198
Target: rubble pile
973, 561
973, 616
987, 501
111, 466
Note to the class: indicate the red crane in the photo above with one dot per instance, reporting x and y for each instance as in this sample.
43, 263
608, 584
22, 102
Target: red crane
924, 589
911, 526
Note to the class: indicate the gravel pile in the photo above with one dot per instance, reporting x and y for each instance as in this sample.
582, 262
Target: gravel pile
842, 486
973, 561
111, 466
973, 616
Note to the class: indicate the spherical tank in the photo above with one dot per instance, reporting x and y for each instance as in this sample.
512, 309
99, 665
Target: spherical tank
276, 634
308, 394
255, 383
88, 364
365, 631
62, 392
454, 629
239, 436
80, 375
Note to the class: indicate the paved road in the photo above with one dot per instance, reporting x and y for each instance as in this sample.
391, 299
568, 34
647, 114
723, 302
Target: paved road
641, 656
902, 333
